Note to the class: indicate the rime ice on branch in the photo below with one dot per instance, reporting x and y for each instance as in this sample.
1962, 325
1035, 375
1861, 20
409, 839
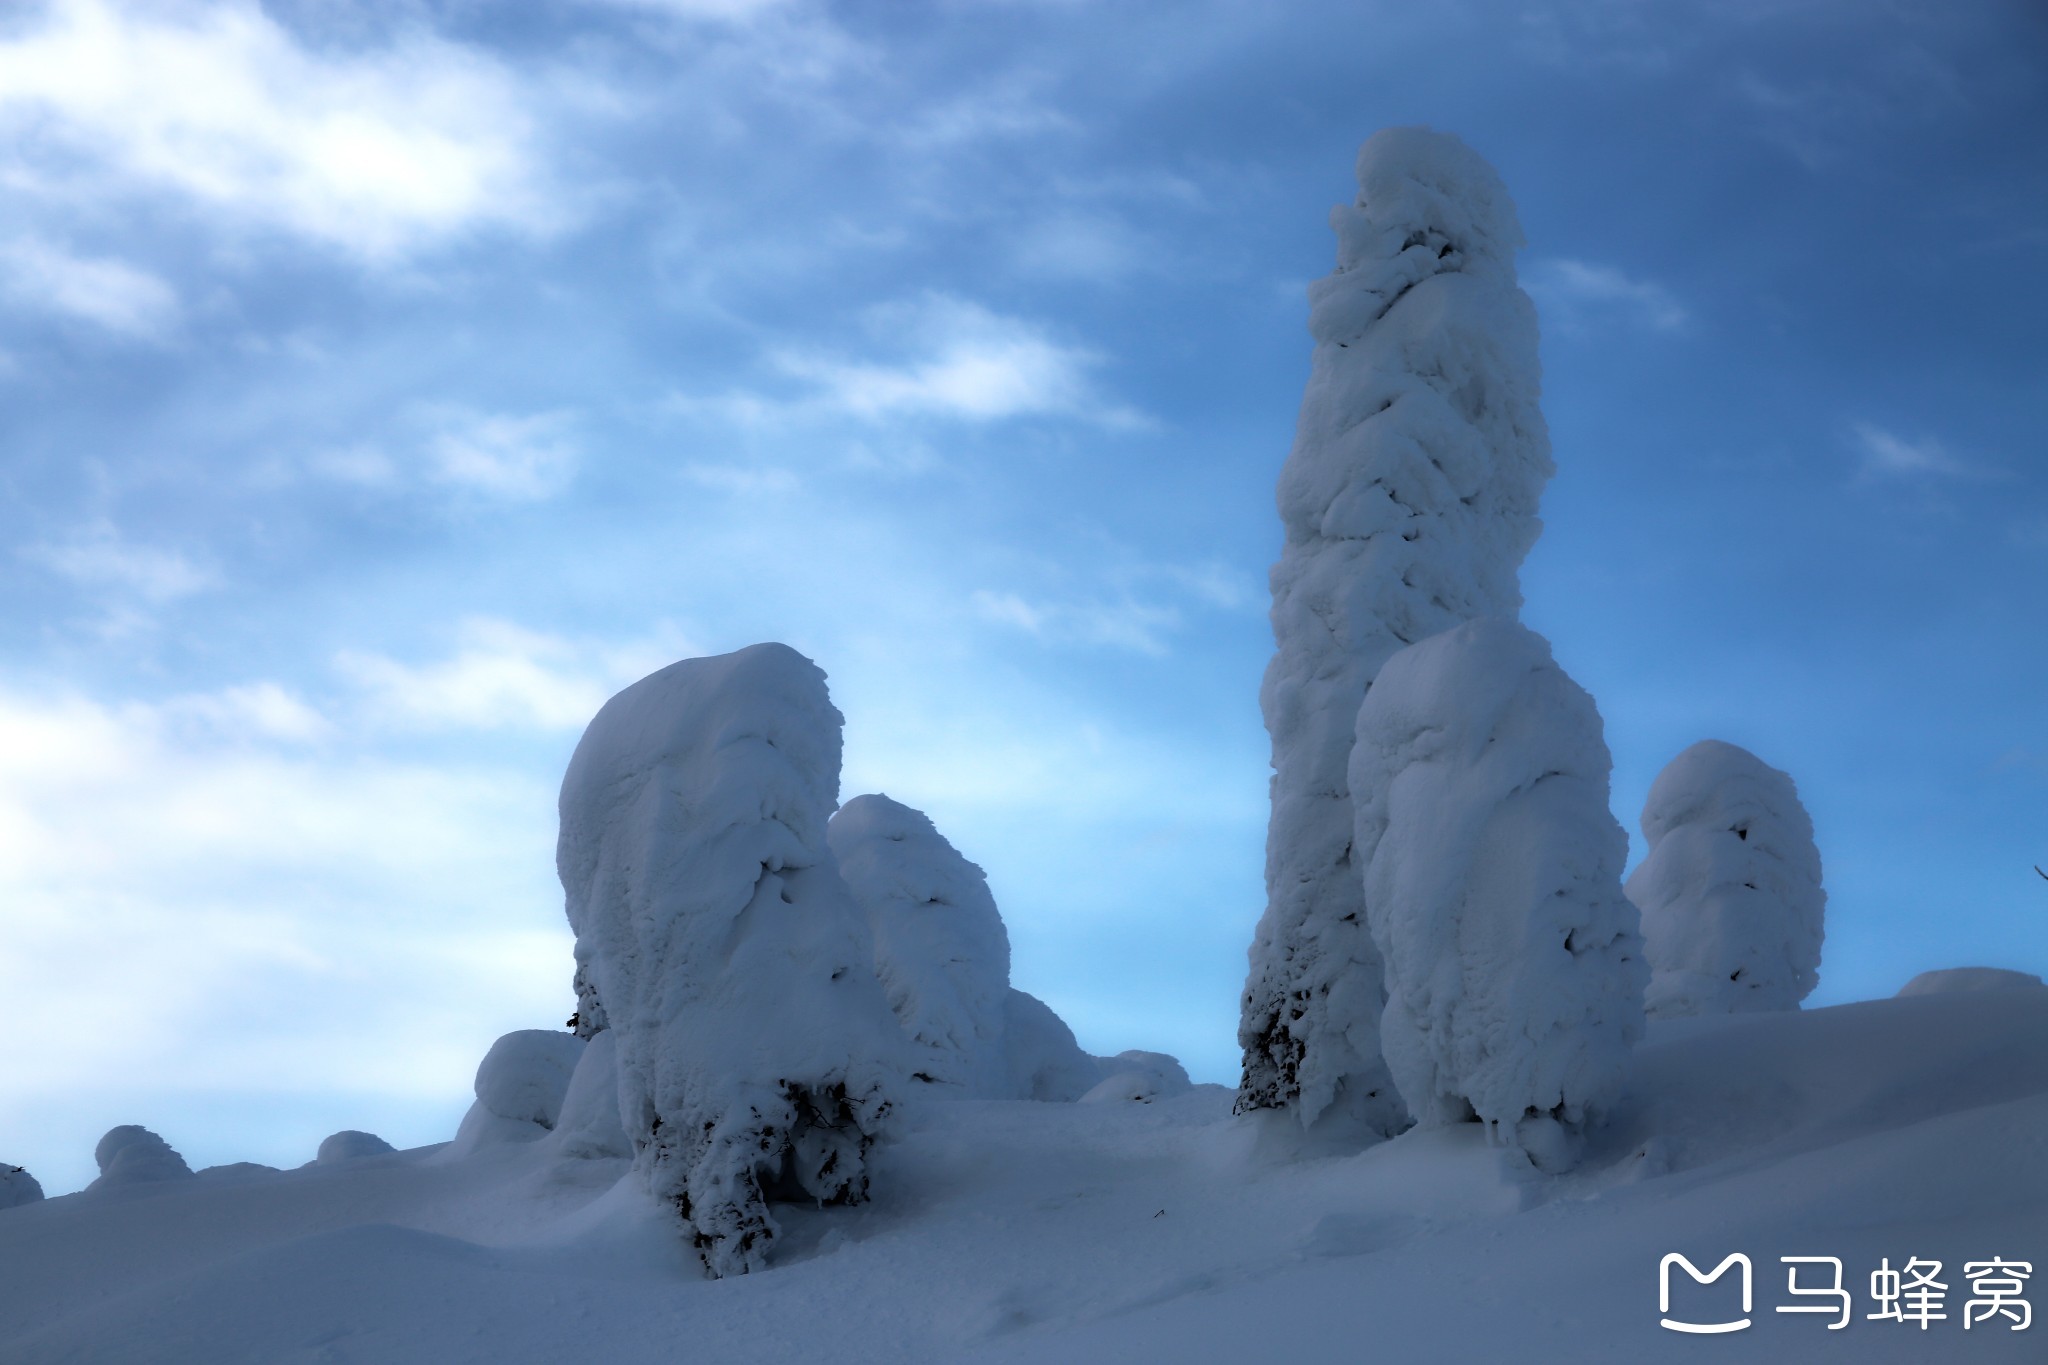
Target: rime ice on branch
1493, 886
756, 1054
1409, 501
1730, 892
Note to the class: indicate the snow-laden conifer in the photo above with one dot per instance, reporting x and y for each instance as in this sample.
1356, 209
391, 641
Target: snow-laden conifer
1492, 867
941, 951
18, 1187
1730, 892
1408, 501
756, 1053
133, 1155
943, 957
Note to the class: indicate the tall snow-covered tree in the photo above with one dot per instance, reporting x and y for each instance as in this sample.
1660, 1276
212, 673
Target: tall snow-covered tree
1730, 892
1492, 873
1408, 501
757, 1056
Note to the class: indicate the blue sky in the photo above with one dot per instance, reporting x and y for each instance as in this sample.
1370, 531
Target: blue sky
388, 382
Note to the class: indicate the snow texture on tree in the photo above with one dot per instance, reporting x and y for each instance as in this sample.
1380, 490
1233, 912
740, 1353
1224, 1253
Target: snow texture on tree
18, 1187
1409, 501
589, 1019
940, 948
757, 1055
348, 1144
132, 1155
1970, 980
588, 1125
1730, 891
1492, 871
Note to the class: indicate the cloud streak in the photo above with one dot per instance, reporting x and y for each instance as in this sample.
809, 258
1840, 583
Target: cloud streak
379, 153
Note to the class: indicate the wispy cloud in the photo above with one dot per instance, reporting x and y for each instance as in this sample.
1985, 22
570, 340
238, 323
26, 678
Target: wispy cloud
99, 556
110, 294
1583, 295
503, 676
1886, 454
376, 151
963, 362
522, 458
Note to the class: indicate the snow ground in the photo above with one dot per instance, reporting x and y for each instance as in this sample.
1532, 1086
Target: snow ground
1035, 1232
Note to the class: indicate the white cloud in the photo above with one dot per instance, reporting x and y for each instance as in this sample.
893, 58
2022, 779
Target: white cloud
1887, 454
186, 909
503, 676
742, 480
1577, 295
966, 363
1122, 624
261, 711
99, 557
108, 293
378, 152
524, 458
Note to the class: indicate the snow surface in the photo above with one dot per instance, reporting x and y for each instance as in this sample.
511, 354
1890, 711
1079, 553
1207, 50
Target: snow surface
1492, 868
1408, 502
1730, 891
756, 1054
1049, 1234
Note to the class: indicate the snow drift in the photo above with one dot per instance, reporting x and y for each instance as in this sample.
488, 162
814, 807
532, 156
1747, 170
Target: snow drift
756, 1052
133, 1155
1730, 891
1492, 870
1409, 501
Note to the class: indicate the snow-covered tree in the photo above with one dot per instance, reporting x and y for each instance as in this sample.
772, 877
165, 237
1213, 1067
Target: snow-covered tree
348, 1145
943, 956
940, 948
1730, 892
519, 1087
1409, 501
133, 1155
1492, 873
18, 1187
756, 1053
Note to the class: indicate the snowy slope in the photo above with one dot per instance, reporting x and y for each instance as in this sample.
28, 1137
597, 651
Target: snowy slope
1031, 1232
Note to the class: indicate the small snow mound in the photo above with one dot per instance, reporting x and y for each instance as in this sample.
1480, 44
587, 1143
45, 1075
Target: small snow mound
348, 1144
132, 1155
526, 1073
18, 1187
1958, 980
1140, 1076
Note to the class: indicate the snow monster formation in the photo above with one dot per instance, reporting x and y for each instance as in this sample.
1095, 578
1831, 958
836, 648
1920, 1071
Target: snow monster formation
756, 1055
1409, 501
943, 957
1492, 874
1730, 893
